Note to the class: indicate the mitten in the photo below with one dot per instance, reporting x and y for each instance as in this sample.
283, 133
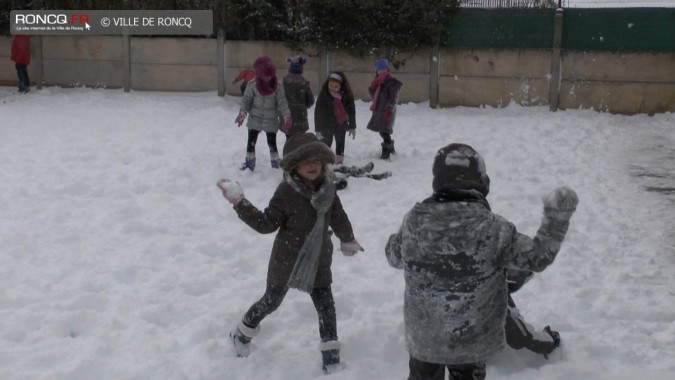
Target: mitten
350, 248
352, 132
388, 115
232, 191
560, 204
288, 123
240, 118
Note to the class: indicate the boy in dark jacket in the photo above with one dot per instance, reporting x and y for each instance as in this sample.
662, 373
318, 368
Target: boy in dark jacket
298, 94
302, 209
455, 253
384, 91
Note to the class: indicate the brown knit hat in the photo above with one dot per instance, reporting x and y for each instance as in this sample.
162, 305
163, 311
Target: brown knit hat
305, 146
460, 167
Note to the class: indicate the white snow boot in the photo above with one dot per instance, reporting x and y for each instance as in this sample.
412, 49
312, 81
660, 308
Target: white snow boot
330, 355
241, 338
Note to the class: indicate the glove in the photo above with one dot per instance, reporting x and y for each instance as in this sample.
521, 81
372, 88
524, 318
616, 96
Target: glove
350, 248
388, 115
232, 191
560, 204
288, 123
240, 118
352, 132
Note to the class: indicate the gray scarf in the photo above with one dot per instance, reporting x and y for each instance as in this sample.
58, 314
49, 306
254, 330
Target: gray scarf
307, 263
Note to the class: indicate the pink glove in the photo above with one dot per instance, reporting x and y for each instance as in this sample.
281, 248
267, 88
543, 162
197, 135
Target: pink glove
232, 191
240, 118
288, 123
350, 248
388, 115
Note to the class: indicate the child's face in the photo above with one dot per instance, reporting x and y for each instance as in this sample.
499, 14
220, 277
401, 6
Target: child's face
310, 170
382, 72
334, 86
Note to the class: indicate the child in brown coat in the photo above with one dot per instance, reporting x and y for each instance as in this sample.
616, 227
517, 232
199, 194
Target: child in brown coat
302, 209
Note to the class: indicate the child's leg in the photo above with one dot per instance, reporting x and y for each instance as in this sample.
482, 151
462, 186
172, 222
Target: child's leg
340, 142
420, 370
325, 307
252, 139
471, 371
274, 153
326, 138
330, 346
265, 306
272, 141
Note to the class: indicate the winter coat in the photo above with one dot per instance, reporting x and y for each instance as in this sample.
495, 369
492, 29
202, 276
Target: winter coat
324, 114
264, 110
300, 98
21, 49
293, 215
455, 255
387, 98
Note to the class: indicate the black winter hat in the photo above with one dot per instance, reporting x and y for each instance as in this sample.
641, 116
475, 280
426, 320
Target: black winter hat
295, 64
304, 146
460, 167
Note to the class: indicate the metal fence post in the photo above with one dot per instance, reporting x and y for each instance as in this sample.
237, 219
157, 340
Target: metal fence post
324, 67
434, 75
126, 62
38, 61
220, 51
556, 61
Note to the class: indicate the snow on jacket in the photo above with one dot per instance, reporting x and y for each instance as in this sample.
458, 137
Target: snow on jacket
264, 110
300, 97
324, 113
387, 98
454, 255
294, 216
21, 49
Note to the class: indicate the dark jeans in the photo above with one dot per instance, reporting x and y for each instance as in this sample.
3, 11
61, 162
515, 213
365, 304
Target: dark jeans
420, 370
271, 300
22, 73
327, 138
253, 138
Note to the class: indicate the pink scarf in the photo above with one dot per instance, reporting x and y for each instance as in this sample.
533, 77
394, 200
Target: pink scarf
266, 88
377, 85
339, 109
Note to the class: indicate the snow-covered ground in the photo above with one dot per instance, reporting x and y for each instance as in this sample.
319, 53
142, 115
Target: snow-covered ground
120, 260
619, 3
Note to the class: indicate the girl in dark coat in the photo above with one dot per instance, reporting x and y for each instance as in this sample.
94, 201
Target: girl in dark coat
384, 90
335, 113
303, 207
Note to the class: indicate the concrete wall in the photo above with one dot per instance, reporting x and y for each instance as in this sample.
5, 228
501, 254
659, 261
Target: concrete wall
615, 82
473, 77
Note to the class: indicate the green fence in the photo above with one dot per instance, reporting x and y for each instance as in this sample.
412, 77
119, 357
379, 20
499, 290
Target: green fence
500, 28
609, 29
621, 29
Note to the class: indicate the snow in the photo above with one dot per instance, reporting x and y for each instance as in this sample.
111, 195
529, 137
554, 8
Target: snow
120, 258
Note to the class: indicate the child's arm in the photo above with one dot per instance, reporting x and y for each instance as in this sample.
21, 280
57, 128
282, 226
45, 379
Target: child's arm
340, 222
266, 221
393, 250
536, 254
262, 221
309, 96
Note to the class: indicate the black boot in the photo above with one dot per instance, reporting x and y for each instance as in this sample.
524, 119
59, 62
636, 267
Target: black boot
330, 355
387, 150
